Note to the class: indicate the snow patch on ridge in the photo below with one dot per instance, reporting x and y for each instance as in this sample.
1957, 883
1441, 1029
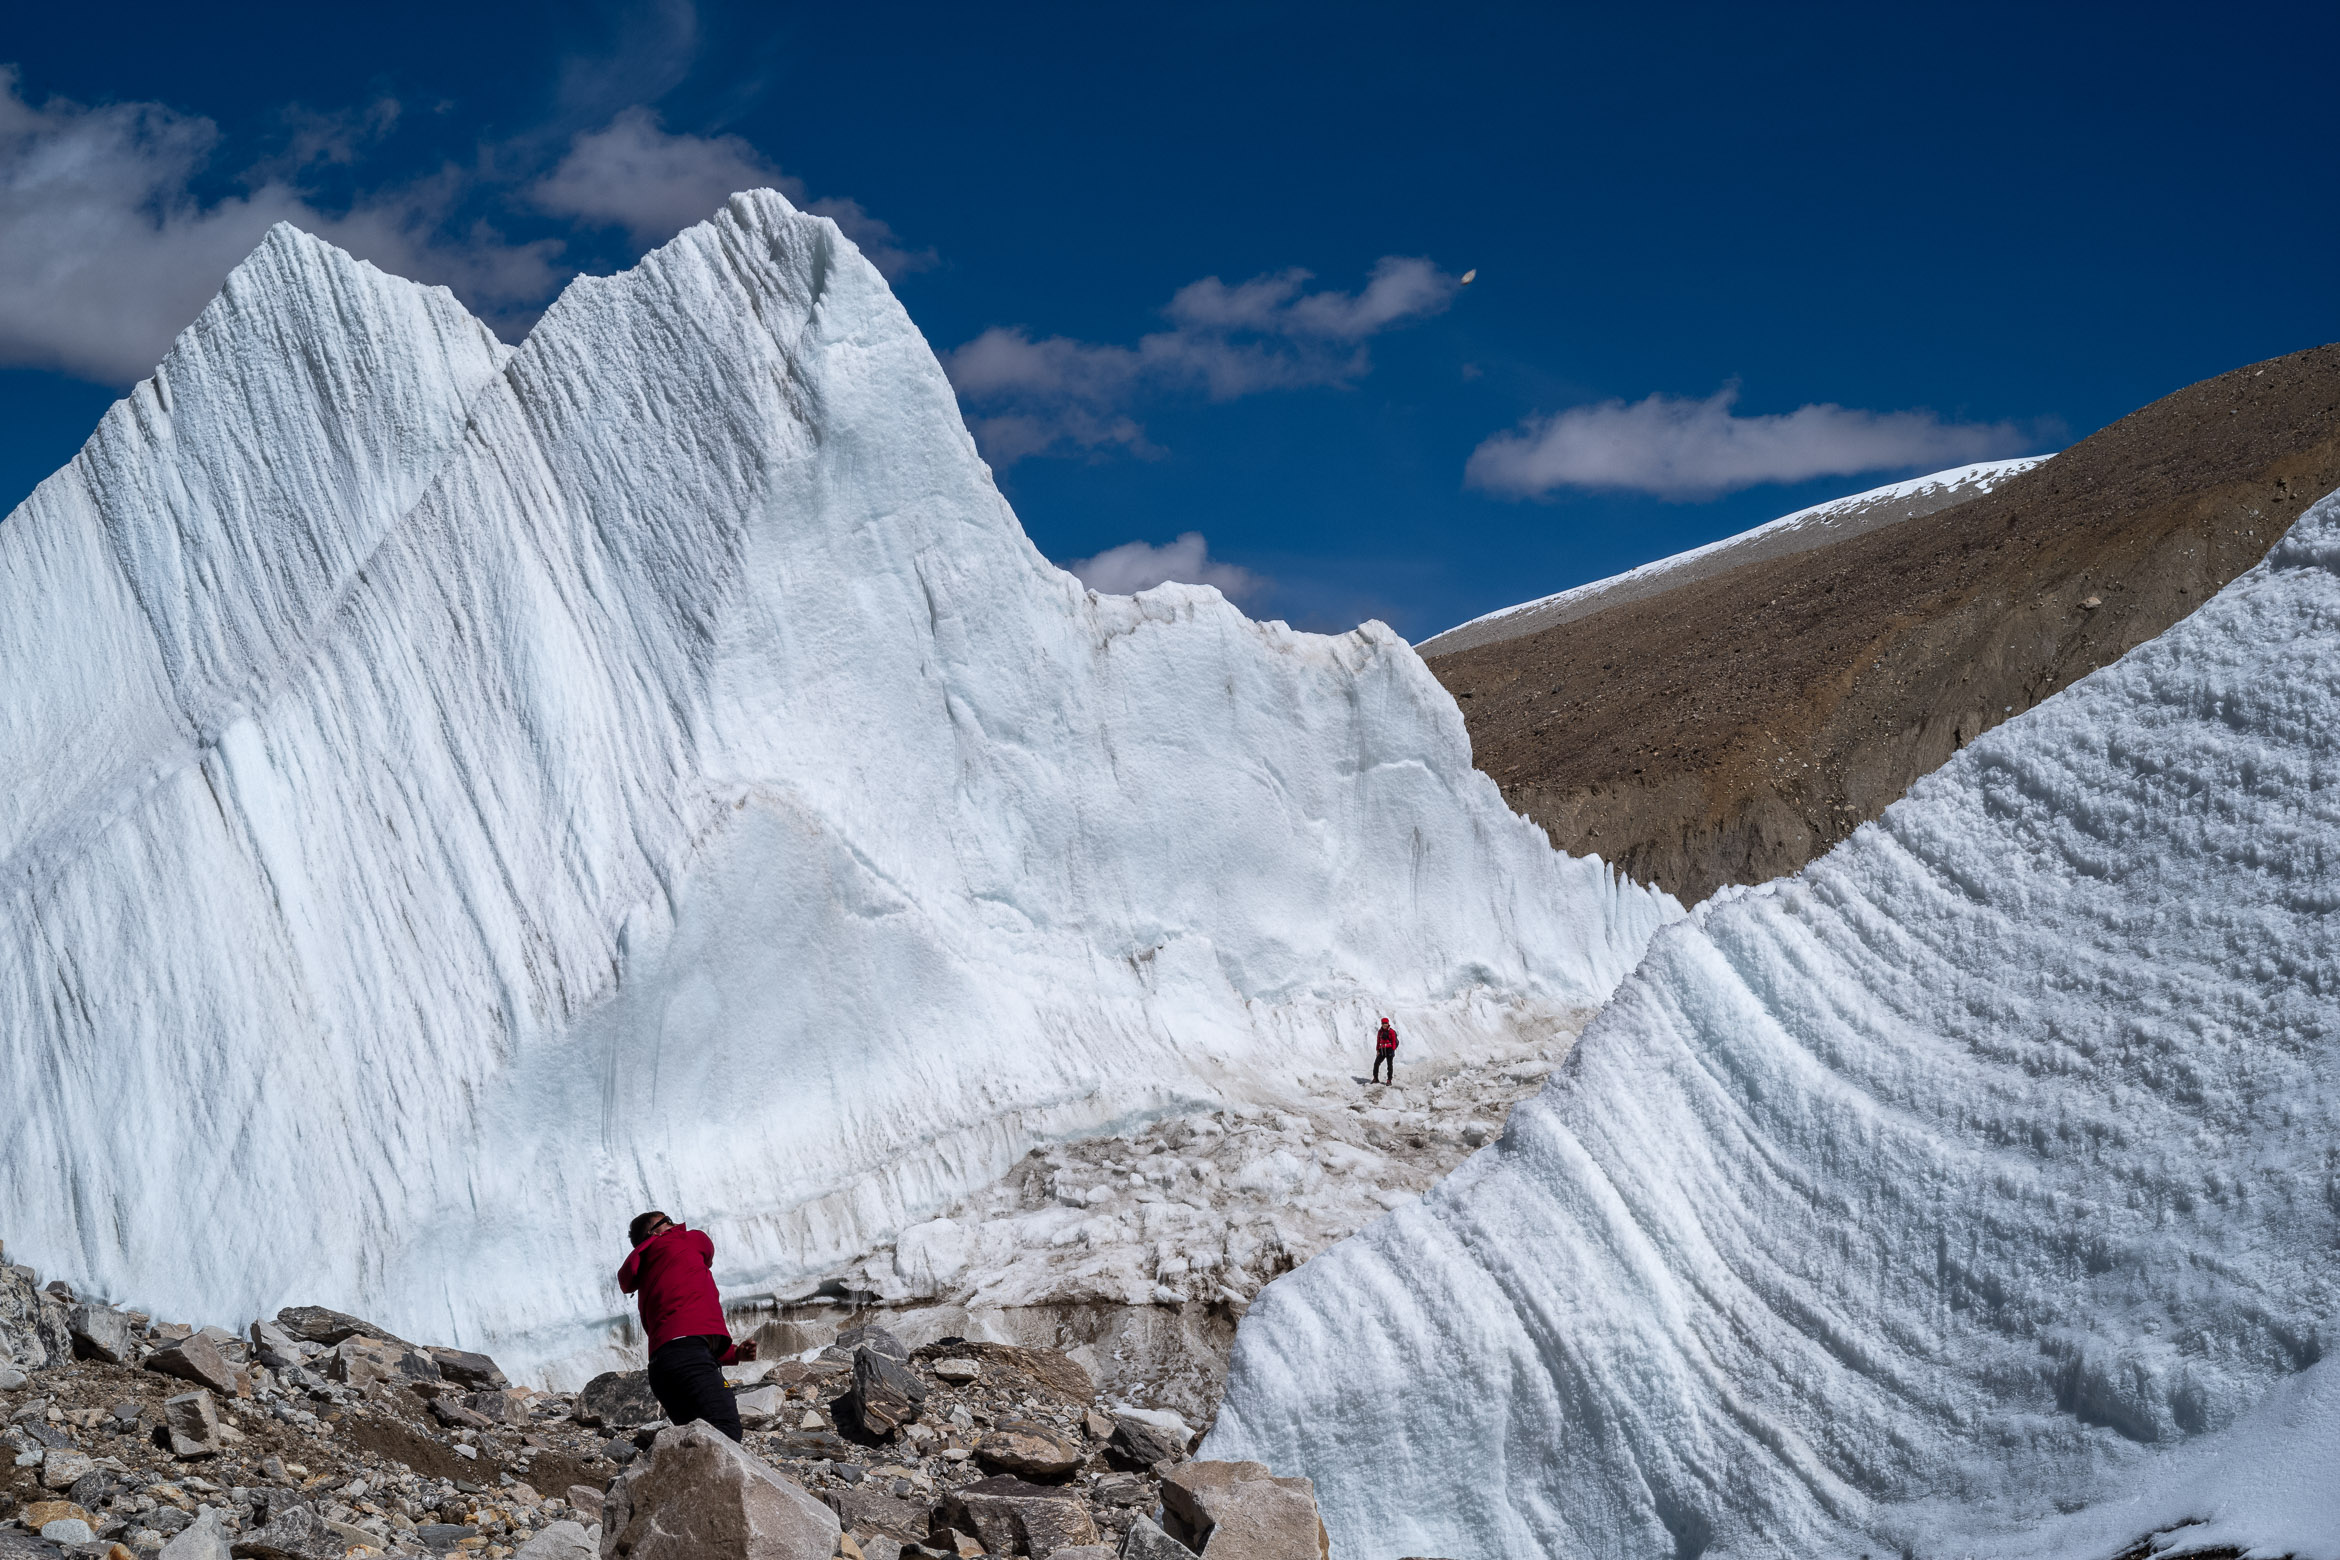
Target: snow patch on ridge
478, 795
1970, 1190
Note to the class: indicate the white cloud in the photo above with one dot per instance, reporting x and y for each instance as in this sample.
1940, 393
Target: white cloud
1679, 448
106, 254
635, 174
1024, 396
1136, 566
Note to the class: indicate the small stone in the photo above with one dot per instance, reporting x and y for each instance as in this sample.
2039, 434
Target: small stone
471, 1452
202, 1539
1141, 1443
273, 1347
2090, 604
1148, 1542
293, 1532
560, 1541
958, 1372
1098, 1425
760, 1406
63, 1466
102, 1333
876, 1339
586, 1500
196, 1358
12, 1379
365, 1362
68, 1530
1019, 1446
449, 1412
40, 1513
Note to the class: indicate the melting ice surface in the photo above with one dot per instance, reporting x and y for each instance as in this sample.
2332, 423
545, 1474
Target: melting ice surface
460, 797
1972, 1192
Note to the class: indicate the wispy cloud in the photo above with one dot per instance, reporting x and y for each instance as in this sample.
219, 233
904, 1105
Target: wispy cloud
1678, 448
1136, 566
107, 250
635, 174
1027, 397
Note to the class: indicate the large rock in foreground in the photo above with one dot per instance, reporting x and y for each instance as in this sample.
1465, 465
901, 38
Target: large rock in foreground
701, 1497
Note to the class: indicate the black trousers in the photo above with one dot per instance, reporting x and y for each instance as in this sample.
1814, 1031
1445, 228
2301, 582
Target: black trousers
1380, 1057
689, 1385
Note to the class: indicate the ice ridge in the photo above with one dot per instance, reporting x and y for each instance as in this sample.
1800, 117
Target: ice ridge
1969, 1192
472, 795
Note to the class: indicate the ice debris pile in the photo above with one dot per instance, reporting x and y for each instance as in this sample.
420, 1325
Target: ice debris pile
467, 796
1971, 1192
1139, 1253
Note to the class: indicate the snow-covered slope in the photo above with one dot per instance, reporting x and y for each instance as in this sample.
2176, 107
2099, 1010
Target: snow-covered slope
462, 798
1816, 526
1971, 1191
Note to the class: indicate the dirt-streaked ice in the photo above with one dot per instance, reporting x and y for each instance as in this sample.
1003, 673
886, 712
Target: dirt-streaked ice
1972, 1192
459, 798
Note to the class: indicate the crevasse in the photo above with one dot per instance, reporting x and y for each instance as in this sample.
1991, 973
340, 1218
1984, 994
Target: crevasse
465, 796
1971, 1192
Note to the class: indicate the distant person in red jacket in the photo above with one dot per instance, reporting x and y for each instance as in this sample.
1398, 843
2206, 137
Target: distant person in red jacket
1385, 1051
672, 1268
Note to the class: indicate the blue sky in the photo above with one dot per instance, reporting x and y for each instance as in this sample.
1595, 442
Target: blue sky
1728, 261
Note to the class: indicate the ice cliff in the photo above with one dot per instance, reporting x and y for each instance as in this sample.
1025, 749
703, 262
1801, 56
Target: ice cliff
1972, 1192
462, 796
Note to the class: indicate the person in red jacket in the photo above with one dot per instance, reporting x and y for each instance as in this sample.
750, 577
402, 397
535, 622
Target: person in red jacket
672, 1270
1385, 1051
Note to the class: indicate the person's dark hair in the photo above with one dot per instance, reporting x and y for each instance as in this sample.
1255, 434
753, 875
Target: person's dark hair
639, 1230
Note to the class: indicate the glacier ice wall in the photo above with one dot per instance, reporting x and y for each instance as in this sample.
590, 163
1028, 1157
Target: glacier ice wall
471, 795
1973, 1191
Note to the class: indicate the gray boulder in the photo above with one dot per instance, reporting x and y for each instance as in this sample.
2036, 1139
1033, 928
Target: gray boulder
1008, 1516
1033, 1450
102, 1333
1137, 1443
700, 1496
467, 1369
273, 1347
885, 1396
561, 1541
202, 1539
619, 1399
873, 1512
191, 1425
197, 1359
1240, 1511
64, 1466
293, 1532
876, 1339
315, 1324
760, 1406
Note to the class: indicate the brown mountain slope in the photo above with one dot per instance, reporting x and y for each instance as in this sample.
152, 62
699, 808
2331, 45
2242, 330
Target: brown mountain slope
1733, 728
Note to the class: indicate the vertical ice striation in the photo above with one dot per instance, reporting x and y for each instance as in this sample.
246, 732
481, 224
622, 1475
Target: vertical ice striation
478, 795
1971, 1191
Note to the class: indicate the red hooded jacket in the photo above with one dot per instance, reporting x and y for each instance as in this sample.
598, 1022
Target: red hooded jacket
1386, 1038
674, 1273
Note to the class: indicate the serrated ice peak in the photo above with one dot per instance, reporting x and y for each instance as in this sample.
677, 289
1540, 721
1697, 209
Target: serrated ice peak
476, 793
